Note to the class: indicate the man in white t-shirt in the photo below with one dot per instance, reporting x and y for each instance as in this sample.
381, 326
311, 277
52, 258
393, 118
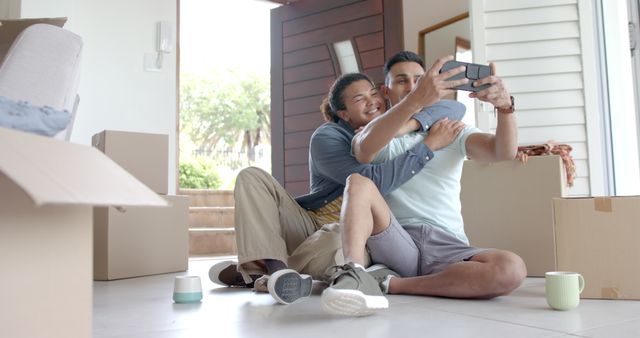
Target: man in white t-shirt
417, 230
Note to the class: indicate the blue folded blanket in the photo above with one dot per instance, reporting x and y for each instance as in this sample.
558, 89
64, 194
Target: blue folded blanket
22, 115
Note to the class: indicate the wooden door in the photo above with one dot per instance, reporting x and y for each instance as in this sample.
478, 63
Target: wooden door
304, 65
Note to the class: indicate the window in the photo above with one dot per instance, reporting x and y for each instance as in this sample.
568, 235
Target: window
346, 57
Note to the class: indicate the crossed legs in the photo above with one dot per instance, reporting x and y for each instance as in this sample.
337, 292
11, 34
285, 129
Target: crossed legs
488, 274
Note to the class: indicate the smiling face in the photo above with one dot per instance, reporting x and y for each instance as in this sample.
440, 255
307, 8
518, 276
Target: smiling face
401, 79
363, 103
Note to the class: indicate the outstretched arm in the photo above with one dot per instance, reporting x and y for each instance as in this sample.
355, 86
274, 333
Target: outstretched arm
504, 144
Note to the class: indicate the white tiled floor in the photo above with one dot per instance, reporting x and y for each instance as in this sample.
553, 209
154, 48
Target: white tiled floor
142, 307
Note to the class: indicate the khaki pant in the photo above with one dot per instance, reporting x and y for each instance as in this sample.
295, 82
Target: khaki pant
271, 225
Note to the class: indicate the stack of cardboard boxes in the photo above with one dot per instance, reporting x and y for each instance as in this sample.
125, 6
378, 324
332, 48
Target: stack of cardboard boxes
48, 189
140, 241
521, 208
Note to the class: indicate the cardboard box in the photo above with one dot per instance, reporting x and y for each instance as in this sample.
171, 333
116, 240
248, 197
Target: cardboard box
10, 29
598, 238
48, 189
509, 205
141, 241
145, 156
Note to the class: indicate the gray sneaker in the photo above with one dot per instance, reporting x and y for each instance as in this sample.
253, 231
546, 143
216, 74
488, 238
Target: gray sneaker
353, 292
382, 273
287, 286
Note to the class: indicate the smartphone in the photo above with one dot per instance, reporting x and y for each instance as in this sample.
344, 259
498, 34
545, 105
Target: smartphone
473, 71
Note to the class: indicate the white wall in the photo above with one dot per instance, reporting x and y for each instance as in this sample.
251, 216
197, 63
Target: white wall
47, 9
442, 41
421, 14
115, 91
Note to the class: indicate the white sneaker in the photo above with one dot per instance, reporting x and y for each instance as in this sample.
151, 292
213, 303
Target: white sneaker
287, 286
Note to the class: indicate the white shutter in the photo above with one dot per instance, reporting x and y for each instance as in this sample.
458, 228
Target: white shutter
544, 50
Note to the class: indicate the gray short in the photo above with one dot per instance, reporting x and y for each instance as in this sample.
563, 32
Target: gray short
417, 249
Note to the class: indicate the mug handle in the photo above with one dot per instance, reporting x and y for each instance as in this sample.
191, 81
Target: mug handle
580, 283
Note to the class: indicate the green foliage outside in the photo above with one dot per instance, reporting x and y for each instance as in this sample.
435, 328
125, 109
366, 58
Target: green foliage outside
199, 173
230, 106
224, 116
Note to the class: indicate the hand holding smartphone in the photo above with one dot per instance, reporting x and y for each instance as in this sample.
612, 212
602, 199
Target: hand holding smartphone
473, 72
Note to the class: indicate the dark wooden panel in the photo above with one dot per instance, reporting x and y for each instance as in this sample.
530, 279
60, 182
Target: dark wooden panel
370, 41
308, 55
308, 88
303, 105
296, 156
376, 74
277, 99
393, 32
297, 188
303, 122
297, 140
304, 8
334, 33
309, 71
298, 172
372, 58
311, 44
332, 17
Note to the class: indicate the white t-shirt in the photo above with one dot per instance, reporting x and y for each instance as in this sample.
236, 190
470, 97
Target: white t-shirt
432, 196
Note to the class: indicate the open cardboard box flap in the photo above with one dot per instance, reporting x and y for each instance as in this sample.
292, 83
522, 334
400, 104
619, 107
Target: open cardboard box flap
51, 172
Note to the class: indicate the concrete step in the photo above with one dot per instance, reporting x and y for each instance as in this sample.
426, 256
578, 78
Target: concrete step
211, 217
211, 222
207, 197
212, 241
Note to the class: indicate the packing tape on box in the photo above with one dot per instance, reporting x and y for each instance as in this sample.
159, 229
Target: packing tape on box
610, 293
602, 204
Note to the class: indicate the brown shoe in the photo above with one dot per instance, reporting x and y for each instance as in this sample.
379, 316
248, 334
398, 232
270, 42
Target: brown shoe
226, 273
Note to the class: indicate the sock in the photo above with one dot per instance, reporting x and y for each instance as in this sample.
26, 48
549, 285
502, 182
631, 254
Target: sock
385, 284
274, 265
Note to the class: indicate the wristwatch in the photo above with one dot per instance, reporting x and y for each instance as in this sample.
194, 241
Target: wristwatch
509, 110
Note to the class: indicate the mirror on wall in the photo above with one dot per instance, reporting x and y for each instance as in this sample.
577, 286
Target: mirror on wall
450, 37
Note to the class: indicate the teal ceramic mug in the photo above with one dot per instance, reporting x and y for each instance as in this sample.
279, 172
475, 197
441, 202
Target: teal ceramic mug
563, 289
